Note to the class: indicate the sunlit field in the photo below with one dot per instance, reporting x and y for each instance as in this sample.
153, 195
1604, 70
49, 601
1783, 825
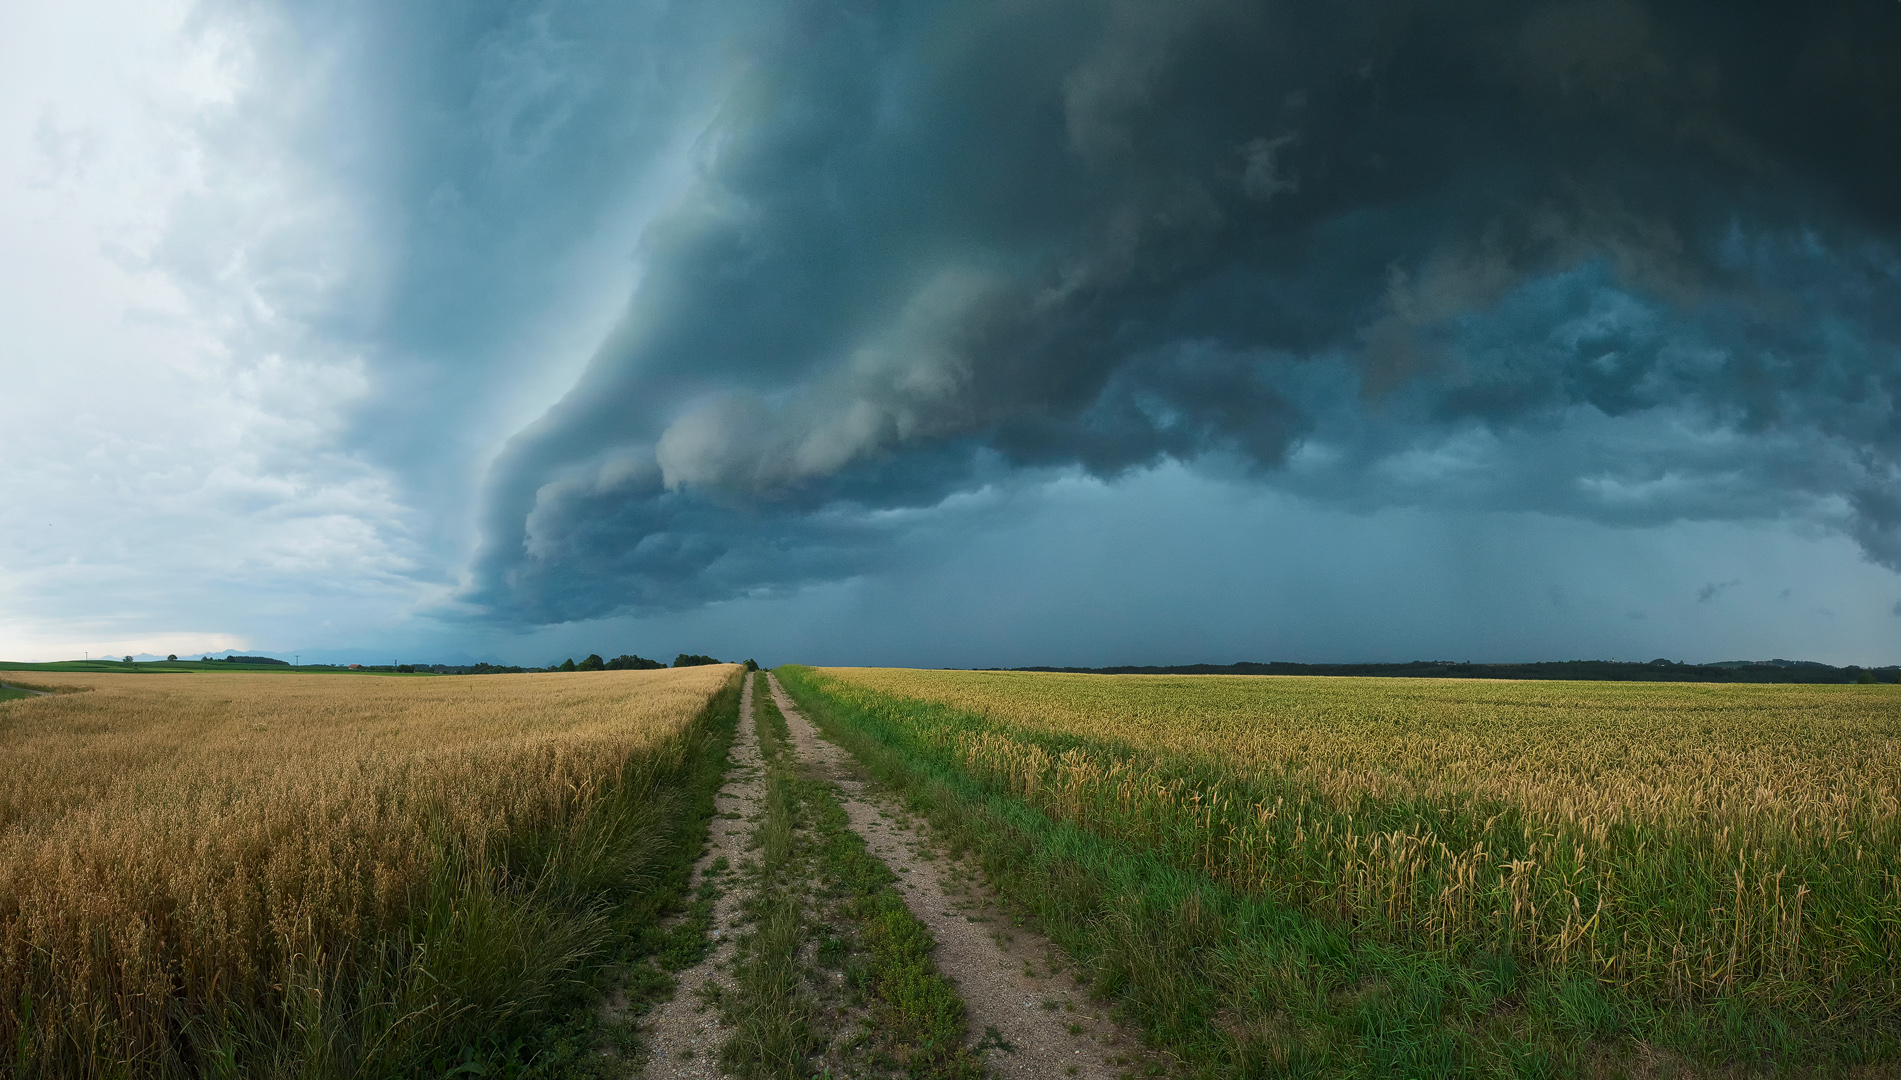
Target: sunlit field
280, 873
1725, 854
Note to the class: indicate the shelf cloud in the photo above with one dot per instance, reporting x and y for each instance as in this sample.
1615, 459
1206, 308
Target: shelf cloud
1102, 332
1603, 259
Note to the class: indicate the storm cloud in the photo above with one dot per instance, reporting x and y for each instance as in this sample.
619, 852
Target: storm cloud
1631, 262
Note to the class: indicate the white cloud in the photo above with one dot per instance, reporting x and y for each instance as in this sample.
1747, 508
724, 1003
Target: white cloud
170, 427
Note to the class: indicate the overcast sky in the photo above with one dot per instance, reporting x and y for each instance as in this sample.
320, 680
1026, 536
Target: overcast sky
975, 333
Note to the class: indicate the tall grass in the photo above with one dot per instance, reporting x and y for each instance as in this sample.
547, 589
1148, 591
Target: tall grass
1677, 845
261, 875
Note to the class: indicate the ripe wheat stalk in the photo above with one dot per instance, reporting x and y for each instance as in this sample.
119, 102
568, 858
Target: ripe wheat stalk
1680, 841
188, 858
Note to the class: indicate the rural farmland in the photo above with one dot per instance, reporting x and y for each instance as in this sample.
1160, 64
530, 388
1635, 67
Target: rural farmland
1429, 875
252, 874
1271, 538
827, 871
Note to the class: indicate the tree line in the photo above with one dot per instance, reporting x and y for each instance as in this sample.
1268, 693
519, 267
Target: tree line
630, 662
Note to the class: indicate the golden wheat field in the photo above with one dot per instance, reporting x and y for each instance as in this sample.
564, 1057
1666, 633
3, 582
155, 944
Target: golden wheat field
174, 840
1678, 840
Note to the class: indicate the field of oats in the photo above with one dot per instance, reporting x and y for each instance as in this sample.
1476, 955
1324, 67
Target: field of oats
230, 874
1585, 867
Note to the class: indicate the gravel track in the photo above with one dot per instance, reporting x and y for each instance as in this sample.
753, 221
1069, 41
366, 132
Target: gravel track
683, 1035
1013, 992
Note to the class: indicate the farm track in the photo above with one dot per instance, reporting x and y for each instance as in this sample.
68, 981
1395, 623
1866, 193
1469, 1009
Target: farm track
1032, 1020
1026, 1016
684, 1034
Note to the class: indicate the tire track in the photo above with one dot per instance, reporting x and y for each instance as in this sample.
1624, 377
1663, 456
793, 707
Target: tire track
1034, 1025
684, 1034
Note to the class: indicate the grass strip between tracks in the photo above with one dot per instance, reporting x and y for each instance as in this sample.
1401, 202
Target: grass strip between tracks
773, 1013
1235, 985
837, 972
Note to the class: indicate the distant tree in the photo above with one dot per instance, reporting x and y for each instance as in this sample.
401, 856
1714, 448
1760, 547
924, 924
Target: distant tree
592, 663
630, 662
568, 664
692, 660
173, 656
1866, 675
752, 665
128, 659
407, 669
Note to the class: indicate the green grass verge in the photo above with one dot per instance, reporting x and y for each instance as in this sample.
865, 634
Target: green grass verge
1236, 985
7, 693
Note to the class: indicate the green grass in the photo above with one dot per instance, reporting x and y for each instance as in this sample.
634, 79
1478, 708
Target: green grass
915, 1019
1235, 983
7, 693
816, 879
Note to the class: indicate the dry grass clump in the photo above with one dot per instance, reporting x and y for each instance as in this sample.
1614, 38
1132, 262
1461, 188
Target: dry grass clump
1680, 841
269, 873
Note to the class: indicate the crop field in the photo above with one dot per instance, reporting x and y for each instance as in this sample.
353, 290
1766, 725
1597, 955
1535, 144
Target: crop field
1487, 877
239, 874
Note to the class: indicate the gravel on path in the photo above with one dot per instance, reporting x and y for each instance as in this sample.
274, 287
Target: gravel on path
1034, 1021
684, 1034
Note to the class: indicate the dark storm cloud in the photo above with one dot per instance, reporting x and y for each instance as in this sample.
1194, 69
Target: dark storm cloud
417, 187
1634, 262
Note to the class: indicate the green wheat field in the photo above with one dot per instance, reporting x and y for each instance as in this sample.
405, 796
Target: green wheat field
1392, 876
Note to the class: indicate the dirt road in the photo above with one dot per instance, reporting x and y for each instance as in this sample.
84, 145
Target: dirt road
684, 1034
1030, 1015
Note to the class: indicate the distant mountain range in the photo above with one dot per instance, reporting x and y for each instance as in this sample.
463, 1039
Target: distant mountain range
1727, 671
